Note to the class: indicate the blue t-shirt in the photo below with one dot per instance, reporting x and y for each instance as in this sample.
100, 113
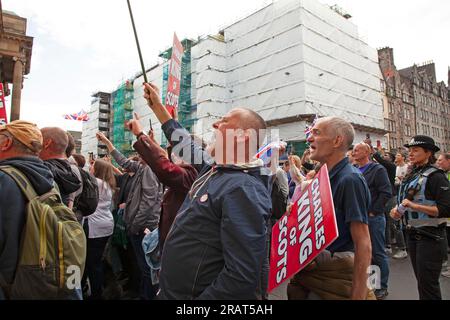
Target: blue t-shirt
364, 168
351, 198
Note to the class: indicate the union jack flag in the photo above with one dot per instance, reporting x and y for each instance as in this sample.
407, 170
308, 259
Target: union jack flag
308, 129
80, 116
266, 151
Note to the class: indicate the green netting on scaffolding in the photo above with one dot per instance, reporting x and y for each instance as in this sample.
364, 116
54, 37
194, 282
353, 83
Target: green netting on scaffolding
122, 108
185, 101
296, 147
164, 141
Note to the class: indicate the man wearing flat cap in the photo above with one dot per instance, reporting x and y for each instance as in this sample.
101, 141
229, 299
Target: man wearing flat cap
424, 202
20, 144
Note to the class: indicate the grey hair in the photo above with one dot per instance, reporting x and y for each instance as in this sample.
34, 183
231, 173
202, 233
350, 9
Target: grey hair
446, 155
19, 147
342, 128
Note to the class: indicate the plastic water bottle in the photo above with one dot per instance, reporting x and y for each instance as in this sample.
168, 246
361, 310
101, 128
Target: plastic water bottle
401, 209
410, 196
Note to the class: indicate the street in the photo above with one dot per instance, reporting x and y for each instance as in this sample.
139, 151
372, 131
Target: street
402, 283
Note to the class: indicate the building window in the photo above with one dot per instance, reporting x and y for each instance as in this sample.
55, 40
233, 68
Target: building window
408, 130
390, 125
391, 92
393, 143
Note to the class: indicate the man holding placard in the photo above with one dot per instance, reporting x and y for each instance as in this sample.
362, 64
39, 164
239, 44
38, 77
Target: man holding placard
343, 266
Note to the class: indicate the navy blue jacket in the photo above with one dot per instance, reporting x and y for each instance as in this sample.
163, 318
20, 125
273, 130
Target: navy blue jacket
391, 169
12, 209
216, 245
380, 187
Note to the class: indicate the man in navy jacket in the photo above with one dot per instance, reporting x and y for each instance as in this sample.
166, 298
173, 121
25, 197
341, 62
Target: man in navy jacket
381, 191
217, 243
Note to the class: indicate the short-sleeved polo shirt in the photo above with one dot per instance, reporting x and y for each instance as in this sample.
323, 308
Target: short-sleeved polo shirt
351, 198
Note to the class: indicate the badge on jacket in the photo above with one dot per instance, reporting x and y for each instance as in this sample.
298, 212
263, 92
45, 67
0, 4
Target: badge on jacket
204, 198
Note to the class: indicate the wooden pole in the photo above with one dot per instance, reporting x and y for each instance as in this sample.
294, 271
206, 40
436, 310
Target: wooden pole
137, 42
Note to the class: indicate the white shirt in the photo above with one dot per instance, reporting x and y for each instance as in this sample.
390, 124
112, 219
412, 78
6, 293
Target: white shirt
101, 222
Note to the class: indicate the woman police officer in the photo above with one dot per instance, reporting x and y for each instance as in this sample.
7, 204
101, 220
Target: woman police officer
424, 202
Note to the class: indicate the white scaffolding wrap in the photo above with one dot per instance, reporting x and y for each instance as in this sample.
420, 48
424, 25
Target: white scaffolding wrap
300, 57
89, 142
291, 59
155, 76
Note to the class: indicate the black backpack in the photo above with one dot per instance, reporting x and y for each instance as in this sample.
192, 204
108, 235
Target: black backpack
86, 202
279, 201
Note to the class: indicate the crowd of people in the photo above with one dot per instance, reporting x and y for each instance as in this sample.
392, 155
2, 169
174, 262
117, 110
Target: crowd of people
196, 224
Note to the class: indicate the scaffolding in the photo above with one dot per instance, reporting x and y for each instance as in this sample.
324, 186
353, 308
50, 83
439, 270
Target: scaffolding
122, 111
185, 106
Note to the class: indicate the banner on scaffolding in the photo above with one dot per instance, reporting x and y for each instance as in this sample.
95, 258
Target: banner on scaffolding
3, 118
173, 88
308, 229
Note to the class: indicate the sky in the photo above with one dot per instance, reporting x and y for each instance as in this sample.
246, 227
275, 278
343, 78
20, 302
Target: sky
84, 46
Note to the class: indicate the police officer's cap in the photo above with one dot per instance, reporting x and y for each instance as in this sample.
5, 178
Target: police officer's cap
423, 142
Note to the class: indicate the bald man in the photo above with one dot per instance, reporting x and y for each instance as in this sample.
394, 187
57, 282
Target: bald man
55, 142
380, 190
217, 244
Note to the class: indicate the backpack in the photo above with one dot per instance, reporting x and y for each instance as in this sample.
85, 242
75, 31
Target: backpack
52, 250
279, 201
119, 237
86, 202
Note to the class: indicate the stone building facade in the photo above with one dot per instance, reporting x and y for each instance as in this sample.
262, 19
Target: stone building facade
416, 103
15, 56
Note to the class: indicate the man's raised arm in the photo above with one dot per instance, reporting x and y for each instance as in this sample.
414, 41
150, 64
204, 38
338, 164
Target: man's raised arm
180, 139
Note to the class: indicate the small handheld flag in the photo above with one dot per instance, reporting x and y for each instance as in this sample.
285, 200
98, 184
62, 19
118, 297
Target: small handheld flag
266, 152
308, 129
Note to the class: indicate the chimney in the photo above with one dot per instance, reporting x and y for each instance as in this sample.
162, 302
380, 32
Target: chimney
386, 58
448, 82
